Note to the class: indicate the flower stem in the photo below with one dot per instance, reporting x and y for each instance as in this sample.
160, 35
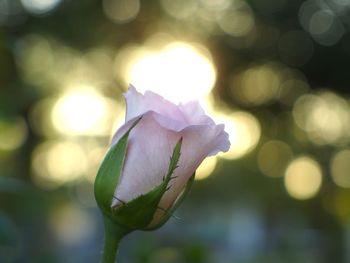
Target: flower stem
113, 235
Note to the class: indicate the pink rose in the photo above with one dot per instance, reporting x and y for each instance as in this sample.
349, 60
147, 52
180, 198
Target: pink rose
151, 143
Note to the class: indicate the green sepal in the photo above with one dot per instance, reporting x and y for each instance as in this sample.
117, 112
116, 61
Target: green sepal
170, 212
139, 212
109, 172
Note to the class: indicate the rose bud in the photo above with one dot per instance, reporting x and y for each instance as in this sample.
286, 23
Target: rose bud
152, 160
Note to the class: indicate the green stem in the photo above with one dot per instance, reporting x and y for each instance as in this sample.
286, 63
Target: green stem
113, 235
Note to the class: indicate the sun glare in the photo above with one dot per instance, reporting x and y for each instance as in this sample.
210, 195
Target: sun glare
179, 71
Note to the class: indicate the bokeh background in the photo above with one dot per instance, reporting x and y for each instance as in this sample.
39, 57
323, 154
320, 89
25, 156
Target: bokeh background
276, 72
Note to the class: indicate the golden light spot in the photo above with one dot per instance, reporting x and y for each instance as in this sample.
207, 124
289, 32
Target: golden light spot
179, 71
221, 5
274, 157
63, 159
303, 178
56, 163
340, 168
80, 111
121, 11
257, 85
13, 133
325, 118
244, 133
206, 168
99, 60
292, 89
37, 59
237, 23
180, 9
125, 59
71, 225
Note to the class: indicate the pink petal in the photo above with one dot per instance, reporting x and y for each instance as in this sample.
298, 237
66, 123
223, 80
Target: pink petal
199, 141
138, 104
170, 115
149, 151
194, 113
